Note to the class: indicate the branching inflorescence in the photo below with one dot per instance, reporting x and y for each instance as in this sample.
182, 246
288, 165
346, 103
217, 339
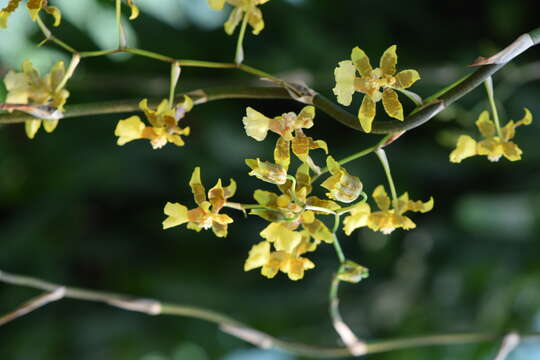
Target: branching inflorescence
299, 221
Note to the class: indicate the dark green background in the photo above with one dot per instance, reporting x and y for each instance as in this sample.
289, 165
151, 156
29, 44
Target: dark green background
79, 210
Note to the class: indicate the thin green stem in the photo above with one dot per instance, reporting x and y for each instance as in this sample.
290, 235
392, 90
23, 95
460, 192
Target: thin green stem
349, 208
381, 154
337, 246
207, 64
96, 53
259, 73
336, 223
239, 54
121, 32
357, 155
150, 54
491, 97
49, 36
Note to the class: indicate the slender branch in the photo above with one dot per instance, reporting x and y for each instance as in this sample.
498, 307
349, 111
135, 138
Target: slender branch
433, 105
50, 37
355, 346
240, 330
34, 304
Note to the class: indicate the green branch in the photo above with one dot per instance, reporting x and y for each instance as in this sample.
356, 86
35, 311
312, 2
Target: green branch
433, 105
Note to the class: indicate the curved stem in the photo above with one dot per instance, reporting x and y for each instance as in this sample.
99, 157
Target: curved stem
357, 155
337, 246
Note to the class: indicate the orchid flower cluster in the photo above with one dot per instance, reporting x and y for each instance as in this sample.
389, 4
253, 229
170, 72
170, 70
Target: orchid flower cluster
301, 215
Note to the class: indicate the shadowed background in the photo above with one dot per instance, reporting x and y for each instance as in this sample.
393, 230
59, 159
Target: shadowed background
77, 209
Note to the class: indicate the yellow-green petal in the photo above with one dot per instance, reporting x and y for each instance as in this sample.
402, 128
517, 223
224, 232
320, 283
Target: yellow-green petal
388, 61
305, 118
527, 118
391, 104
274, 264
258, 256
283, 238
511, 151
55, 12
256, 124
17, 87
255, 19
197, 188
50, 125
406, 78
319, 231
129, 129
282, 153
234, 20
361, 61
134, 10
177, 214
366, 113
358, 218
419, 206
4, 16
31, 127
381, 198
344, 75
216, 4
466, 147
509, 130
485, 125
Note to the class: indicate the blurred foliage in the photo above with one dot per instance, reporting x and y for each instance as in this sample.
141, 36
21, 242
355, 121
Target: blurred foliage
77, 209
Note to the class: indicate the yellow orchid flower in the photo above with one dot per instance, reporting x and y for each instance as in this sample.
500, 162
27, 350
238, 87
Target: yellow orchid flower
242, 8
34, 7
28, 87
343, 186
293, 229
271, 262
289, 127
377, 84
389, 217
164, 124
495, 144
206, 215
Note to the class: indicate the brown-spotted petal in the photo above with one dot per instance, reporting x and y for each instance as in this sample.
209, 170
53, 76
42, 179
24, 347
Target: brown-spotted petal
391, 104
366, 113
361, 61
406, 78
197, 188
388, 61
